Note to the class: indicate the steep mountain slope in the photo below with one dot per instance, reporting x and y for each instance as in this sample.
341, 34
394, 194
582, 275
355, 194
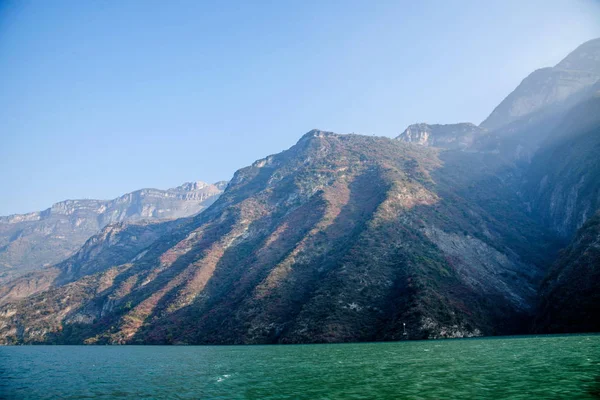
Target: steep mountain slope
553, 146
31, 241
571, 292
340, 238
550, 90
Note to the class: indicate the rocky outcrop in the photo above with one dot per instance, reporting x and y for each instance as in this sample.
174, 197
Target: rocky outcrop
31, 241
452, 136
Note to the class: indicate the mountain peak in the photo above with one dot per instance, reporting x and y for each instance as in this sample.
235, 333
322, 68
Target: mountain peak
586, 57
191, 186
549, 91
316, 133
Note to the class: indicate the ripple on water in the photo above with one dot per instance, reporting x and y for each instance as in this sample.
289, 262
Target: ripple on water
517, 368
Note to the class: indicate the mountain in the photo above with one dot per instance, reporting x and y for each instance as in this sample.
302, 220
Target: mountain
550, 90
340, 238
560, 181
30, 241
563, 189
446, 231
526, 117
547, 132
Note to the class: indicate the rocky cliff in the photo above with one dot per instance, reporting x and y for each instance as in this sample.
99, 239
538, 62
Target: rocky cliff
31, 241
452, 136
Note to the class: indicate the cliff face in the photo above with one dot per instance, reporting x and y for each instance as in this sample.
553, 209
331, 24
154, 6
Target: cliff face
31, 241
340, 238
452, 136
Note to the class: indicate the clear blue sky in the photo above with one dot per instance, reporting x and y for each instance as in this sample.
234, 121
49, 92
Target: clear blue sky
98, 98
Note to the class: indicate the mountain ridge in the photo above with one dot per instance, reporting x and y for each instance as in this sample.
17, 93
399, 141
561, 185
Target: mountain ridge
33, 240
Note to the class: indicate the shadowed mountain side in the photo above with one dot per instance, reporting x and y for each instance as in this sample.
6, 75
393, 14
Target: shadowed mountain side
562, 184
451, 136
570, 294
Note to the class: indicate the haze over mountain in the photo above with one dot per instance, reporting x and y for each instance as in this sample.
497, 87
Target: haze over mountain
550, 90
529, 115
453, 230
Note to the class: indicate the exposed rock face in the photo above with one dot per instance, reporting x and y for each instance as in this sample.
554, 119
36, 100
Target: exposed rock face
31, 241
570, 295
453, 136
485, 268
550, 89
340, 238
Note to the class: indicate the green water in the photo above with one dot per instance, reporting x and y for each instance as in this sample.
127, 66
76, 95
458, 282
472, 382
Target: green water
497, 368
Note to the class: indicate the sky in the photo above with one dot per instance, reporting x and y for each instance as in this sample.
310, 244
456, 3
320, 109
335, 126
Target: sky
100, 98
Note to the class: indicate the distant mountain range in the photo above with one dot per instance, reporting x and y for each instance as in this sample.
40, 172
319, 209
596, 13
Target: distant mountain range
32, 241
445, 231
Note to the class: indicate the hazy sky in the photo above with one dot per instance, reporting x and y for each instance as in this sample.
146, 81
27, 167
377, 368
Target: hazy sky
98, 98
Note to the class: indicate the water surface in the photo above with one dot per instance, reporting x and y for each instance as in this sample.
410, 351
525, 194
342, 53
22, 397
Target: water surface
497, 368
